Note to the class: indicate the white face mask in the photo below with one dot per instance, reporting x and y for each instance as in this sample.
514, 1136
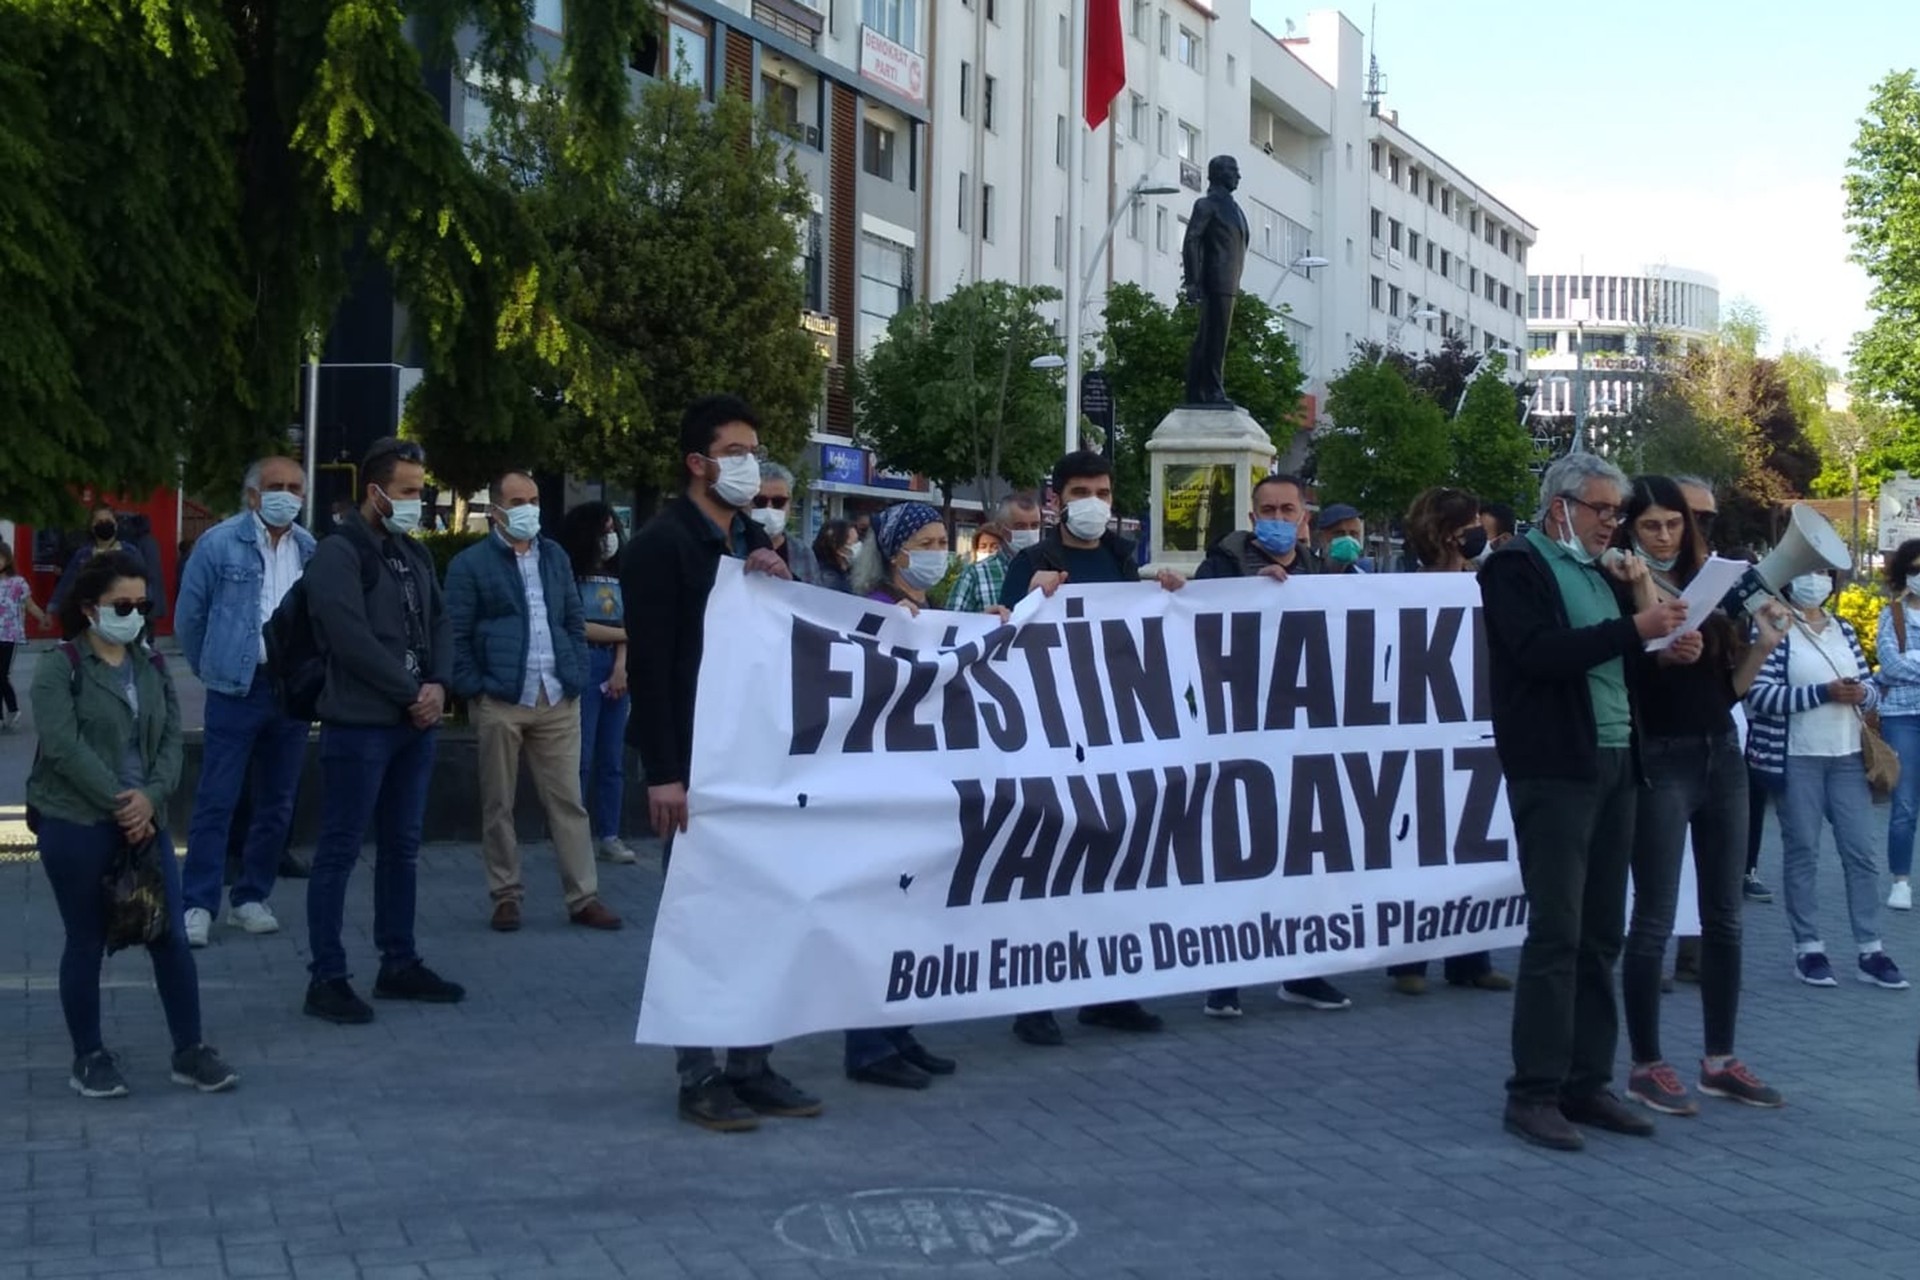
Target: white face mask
278, 508
522, 524
1571, 543
1655, 562
924, 568
773, 520
1088, 517
1810, 590
738, 481
406, 514
117, 629
1020, 539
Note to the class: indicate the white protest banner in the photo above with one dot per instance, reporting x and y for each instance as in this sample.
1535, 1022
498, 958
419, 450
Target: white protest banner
1129, 792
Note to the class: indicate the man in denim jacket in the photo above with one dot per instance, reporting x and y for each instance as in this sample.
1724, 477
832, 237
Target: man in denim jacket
234, 581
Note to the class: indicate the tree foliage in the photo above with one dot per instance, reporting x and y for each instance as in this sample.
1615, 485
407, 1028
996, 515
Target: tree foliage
193, 188
1883, 216
1387, 442
950, 392
1145, 347
674, 272
1493, 455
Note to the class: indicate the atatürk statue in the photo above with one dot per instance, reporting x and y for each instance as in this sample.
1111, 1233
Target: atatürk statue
1212, 257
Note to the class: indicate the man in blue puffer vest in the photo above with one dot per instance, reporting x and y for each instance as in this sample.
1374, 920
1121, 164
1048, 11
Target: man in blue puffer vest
520, 658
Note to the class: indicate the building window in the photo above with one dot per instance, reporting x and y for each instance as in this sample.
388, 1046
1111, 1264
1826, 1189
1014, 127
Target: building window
1189, 49
783, 104
986, 212
1189, 143
966, 200
1393, 234
1473, 279
1413, 181
550, 14
1473, 221
1233, 70
1166, 35
1433, 191
1374, 219
1375, 148
886, 286
688, 42
1060, 141
1413, 246
1432, 256
1160, 129
1063, 40
813, 264
986, 102
1506, 298
876, 150
1160, 228
993, 11
1393, 168
1137, 117
1059, 243
1393, 301
966, 91
897, 20
1446, 201
1137, 24
1446, 264
1506, 242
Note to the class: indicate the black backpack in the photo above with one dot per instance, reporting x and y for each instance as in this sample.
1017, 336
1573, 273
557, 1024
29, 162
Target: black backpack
69, 650
296, 664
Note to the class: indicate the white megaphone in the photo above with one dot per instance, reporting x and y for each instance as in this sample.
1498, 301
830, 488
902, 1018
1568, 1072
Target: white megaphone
1810, 545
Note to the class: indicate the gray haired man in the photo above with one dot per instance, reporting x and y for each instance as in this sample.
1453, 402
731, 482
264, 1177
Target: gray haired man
771, 510
1560, 640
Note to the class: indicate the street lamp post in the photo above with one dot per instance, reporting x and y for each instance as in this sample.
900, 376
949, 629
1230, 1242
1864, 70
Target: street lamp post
1581, 309
1393, 334
1473, 371
1301, 265
1142, 187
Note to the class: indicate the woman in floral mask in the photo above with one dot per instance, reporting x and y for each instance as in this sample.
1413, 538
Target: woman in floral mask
905, 558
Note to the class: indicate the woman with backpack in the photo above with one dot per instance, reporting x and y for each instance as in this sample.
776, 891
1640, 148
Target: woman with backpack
109, 759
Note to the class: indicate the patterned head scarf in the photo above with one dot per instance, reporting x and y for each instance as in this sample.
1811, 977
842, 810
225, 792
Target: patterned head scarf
892, 527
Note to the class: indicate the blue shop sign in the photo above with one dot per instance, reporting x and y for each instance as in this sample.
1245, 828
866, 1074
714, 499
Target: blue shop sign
843, 464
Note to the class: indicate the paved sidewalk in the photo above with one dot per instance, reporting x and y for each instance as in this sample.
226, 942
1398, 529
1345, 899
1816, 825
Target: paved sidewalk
523, 1135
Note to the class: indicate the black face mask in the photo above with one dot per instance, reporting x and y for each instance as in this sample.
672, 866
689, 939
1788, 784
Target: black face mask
105, 530
1472, 543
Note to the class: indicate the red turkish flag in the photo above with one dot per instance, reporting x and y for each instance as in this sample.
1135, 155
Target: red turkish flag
1106, 59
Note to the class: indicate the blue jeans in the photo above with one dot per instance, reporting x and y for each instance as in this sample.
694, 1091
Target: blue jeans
378, 776
1903, 735
75, 856
245, 736
603, 742
1834, 788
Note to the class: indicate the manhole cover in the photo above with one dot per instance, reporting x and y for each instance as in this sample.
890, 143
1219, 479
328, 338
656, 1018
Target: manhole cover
929, 1227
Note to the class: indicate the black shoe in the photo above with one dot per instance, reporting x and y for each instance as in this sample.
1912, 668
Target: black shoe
417, 982
202, 1068
1315, 993
712, 1104
1120, 1015
1542, 1124
927, 1060
332, 1000
893, 1071
772, 1094
97, 1075
292, 868
1604, 1111
1038, 1028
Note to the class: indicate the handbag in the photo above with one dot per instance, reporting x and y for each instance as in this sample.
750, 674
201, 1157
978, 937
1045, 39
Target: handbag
1881, 762
136, 897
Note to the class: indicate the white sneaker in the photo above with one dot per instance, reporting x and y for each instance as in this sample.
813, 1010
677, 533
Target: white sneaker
1900, 897
611, 850
254, 917
199, 921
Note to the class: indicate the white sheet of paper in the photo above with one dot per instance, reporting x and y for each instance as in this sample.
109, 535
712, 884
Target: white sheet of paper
1703, 595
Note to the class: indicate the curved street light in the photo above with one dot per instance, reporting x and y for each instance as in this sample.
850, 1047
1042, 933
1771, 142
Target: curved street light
1393, 334
1142, 187
1473, 371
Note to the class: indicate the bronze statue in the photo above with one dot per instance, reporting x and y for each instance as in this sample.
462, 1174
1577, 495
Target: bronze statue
1212, 257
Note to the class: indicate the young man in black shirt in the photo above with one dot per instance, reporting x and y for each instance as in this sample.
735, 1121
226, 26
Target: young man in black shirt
1080, 549
665, 579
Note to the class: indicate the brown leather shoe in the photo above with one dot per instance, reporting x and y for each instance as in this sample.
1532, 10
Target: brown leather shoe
506, 916
1542, 1124
1604, 1111
595, 915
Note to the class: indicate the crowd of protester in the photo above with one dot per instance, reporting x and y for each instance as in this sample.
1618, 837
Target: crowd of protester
567, 649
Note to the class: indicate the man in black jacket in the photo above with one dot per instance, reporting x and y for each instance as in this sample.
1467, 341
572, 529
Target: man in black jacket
377, 617
665, 579
1558, 645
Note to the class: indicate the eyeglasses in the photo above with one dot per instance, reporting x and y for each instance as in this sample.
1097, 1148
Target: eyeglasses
1604, 512
758, 455
126, 607
778, 504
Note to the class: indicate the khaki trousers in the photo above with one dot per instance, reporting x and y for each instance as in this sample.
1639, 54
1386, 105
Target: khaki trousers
550, 735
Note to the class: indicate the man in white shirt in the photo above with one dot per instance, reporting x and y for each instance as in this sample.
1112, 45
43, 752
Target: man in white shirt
520, 658
235, 578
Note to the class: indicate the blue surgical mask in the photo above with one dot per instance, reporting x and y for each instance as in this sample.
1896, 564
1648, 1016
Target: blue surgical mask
924, 569
1655, 562
1276, 537
522, 524
278, 509
405, 517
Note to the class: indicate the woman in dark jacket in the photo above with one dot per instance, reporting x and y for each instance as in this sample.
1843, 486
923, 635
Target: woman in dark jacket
1691, 755
109, 760
833, 553
593, 540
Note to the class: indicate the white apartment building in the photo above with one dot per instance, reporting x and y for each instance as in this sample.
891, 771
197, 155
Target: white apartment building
1402, 229
1604, 320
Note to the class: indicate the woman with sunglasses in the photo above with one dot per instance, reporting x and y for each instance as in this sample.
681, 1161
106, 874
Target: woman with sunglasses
769, 511
16, 604
1691, 754
109, 759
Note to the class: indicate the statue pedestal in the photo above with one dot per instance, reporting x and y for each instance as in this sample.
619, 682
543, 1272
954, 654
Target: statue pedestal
1205, 463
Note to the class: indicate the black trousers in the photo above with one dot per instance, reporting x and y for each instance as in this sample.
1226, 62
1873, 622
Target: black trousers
1206, 359
1576, 840
9, 702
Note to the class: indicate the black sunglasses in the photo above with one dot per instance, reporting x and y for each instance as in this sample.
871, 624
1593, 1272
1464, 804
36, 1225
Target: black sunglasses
778, 504
125, 607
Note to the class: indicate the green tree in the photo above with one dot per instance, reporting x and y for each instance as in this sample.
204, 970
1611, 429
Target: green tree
1145, 348
194, 187
1883, 216
1387, 442
675, 273
1493, 455
950, 392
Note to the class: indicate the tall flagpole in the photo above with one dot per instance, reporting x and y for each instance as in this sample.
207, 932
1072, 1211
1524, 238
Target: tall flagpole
1076, 163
